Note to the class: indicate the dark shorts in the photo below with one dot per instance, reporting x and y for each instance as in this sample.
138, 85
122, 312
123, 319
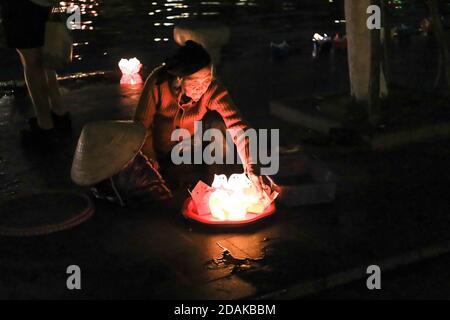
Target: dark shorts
24, 23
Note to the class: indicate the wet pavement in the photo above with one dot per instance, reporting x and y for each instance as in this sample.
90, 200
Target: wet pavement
387, 203
422, 281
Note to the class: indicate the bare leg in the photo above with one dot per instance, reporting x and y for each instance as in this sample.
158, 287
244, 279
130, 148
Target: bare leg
36, 79
55, 95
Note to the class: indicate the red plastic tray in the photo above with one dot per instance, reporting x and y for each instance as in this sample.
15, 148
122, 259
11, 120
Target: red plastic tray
190, 212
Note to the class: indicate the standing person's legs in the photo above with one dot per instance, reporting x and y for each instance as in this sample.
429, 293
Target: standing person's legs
37, 83
24, 23
54, 93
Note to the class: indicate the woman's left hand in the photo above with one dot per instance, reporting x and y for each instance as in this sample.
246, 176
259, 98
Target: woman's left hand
259, 184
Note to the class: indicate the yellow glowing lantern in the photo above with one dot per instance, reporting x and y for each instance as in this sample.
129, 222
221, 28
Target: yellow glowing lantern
218, 204
232, 198
233, 202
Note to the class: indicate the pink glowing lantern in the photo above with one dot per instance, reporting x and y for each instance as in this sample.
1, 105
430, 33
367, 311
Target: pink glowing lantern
131, 79
130, 66
130, 71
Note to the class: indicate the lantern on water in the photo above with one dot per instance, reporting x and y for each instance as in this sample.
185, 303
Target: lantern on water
130, 66
130, 71
131, 79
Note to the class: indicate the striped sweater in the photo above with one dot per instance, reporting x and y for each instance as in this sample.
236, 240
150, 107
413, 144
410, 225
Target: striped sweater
161, 111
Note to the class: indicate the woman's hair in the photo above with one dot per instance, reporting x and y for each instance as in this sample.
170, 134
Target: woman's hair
188, 59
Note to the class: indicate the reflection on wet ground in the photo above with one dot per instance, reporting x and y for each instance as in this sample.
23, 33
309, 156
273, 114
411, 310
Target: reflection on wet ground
228, 261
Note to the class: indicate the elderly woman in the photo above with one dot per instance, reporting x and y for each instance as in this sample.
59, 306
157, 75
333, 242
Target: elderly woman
120, 160
184, 91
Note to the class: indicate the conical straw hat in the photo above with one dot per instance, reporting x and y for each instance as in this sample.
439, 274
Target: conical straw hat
105, 148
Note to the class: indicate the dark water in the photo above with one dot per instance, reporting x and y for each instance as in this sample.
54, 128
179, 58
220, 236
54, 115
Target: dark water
112, 29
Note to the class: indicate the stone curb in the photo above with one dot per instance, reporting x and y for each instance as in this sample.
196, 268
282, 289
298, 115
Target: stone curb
307, 288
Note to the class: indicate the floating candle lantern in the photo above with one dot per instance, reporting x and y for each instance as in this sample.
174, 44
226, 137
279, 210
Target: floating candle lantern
130, 66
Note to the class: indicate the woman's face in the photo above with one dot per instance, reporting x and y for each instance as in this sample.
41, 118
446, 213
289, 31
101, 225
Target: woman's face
195, 85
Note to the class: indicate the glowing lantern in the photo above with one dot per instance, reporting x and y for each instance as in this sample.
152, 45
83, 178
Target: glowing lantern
131, 66
233, 200
131, 79
130, 71
317, 37
218, 201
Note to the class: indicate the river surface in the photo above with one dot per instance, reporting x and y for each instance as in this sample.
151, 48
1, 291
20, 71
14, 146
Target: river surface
115, 29
112, 29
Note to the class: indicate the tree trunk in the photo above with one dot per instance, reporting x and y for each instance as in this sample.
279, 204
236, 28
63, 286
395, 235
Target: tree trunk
375, 71
441, 39
363, 53
386, 43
